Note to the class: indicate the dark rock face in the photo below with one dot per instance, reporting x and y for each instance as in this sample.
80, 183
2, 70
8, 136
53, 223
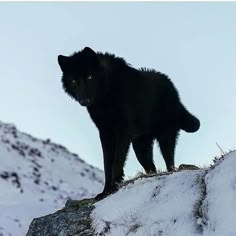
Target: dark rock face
72, 220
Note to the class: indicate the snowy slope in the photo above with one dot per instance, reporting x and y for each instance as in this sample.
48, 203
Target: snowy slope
36, 178
191, 203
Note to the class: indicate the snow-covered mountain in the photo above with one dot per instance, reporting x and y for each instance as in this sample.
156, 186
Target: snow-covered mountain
189, 202
37, 177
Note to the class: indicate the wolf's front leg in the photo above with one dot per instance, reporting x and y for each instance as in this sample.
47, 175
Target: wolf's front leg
122, 147
108, 146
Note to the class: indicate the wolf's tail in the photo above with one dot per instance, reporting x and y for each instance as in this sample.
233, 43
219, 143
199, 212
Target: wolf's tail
189, 122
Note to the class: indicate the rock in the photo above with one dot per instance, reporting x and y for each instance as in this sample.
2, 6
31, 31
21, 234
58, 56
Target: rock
72, 220
188, 167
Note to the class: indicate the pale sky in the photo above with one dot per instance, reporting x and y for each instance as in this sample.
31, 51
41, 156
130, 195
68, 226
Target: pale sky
193, 43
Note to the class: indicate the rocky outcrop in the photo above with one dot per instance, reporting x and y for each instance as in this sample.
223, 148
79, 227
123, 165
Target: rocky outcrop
72, 220
191, 201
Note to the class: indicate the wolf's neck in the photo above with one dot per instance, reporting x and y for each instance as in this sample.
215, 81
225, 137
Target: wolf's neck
112, 64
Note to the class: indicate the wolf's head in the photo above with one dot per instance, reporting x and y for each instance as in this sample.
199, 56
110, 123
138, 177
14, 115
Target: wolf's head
83, 76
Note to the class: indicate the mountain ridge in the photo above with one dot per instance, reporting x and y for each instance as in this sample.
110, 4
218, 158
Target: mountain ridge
38, 176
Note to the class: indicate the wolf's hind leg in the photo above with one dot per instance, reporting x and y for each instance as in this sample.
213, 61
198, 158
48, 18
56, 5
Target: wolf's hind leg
143, 148
167, 142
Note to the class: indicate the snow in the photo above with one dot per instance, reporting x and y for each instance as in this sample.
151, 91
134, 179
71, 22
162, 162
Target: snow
221, 198
37, 177
193, 203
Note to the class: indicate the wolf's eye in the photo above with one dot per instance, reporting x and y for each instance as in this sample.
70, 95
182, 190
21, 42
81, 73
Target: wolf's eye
90, 77
74, 82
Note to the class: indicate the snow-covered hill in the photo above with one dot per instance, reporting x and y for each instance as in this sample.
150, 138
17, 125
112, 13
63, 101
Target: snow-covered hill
192, 203
37, 177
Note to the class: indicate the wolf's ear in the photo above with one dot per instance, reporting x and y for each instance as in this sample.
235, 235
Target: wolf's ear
63, 62
89, 51
91, 55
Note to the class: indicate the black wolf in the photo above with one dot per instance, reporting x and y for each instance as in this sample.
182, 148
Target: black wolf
127, 105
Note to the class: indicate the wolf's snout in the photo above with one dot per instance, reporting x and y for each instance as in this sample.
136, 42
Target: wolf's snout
85, 102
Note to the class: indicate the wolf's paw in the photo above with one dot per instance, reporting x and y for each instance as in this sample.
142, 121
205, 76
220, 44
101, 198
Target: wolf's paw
101, 195
172, 169
112, 189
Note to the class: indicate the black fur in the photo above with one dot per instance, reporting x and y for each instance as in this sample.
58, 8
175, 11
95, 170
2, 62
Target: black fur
128, 106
